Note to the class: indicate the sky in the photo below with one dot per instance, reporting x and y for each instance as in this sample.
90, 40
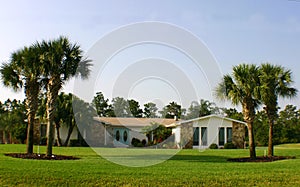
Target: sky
234, 32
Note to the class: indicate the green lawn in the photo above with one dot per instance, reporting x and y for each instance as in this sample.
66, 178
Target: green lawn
187, 168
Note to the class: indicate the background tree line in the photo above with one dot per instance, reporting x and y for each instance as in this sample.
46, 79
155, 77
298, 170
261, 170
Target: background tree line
120, 107
13, 119
13, 116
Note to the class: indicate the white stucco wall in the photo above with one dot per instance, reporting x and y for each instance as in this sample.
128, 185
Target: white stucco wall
64, 133
212, 124
176, 132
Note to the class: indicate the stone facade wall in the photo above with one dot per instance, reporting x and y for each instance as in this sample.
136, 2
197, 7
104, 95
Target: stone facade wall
109, 136
95, 134
186, 135
238, 134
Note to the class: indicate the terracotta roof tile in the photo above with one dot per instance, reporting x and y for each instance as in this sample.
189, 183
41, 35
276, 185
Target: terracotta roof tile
134, 122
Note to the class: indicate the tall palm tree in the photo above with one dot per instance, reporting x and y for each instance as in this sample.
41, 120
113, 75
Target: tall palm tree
275, 82
242, 87
83, 114
23, 70
61, 114
66, 113
61, 61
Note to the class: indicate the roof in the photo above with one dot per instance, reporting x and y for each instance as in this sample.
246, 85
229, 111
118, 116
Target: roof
134, 122
211, 116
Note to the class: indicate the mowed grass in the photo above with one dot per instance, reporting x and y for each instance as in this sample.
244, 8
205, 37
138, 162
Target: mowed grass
187, 168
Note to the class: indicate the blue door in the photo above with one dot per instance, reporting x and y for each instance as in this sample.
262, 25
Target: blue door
121, 135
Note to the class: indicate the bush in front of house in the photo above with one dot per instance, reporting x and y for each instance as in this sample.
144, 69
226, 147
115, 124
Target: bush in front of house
144, 142
83, 143
74, 143
43, 140
170, 145
213, 146
229, 145
138, 143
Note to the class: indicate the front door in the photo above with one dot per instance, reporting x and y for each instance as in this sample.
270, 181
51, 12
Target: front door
121, 136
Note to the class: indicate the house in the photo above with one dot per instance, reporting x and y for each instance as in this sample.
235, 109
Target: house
212, 129
119, 132
194, 133
40, 133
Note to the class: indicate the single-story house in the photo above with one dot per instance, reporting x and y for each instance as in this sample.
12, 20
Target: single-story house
119, 132
212, 129
40, 132
194, 133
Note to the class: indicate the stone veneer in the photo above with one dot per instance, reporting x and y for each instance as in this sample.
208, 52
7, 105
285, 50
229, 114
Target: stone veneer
238, 134
186, 135
95, 135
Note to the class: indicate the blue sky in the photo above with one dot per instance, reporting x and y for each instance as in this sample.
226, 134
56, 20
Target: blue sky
234, 31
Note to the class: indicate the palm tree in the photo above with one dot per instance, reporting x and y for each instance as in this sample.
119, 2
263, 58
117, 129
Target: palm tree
275, 82
83, 114
23, 70
242, 87
61, 61
60, 114
67, 114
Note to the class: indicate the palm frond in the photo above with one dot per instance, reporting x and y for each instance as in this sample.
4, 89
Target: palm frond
11, 77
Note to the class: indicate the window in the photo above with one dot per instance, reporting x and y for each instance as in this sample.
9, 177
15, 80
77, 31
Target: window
229, 134
117, 135
221, 136
203, 136
196, 136
125, 136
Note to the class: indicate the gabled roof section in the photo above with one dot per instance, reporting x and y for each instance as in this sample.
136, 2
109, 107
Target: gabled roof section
134, 122
211, 116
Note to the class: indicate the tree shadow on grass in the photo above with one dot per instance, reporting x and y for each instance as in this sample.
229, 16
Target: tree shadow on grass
200, 158
222, 159
36, 156
261, 159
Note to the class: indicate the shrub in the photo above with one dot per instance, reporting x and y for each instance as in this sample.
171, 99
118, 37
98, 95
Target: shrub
74, 143
170, 145
83, 143
144, 142
19, 132
43, 140
137, 143
229, 145
213, 146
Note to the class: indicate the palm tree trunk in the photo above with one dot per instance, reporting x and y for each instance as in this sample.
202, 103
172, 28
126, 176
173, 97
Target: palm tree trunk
71, 127
251, 140
270, 144
271, 113
50, 134
53, 88
249, 115
32, 91
59, 143
29, 144
30, 133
